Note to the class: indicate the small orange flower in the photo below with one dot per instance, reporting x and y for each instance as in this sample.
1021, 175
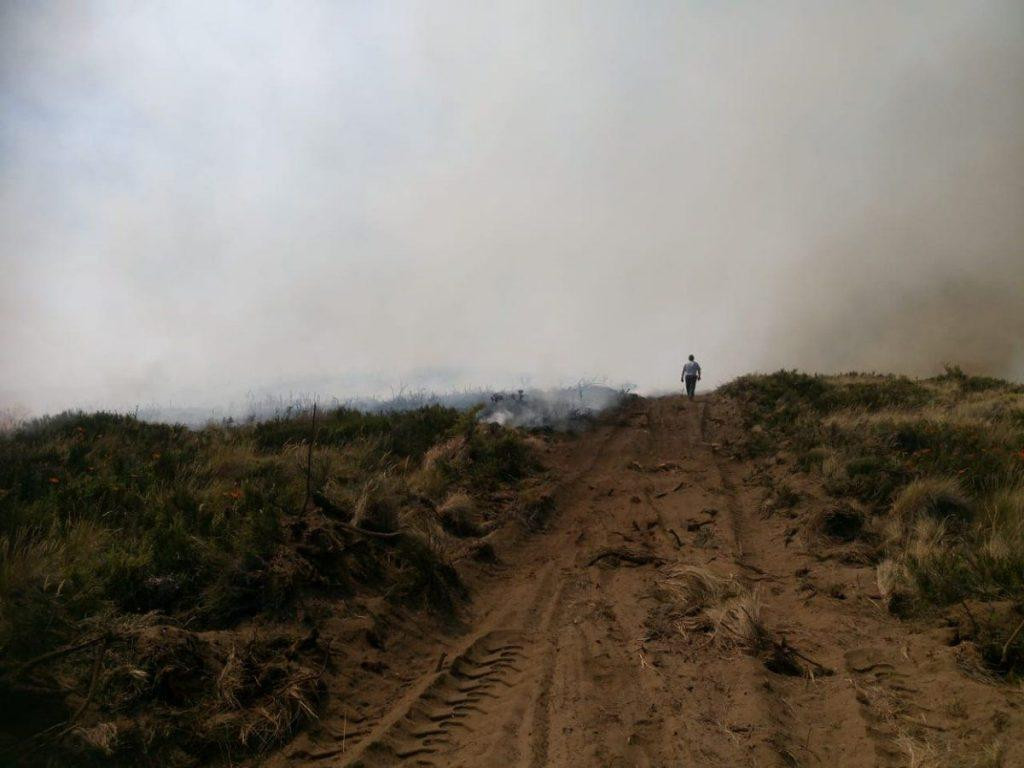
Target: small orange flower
54, 480
1021, 454
235, 493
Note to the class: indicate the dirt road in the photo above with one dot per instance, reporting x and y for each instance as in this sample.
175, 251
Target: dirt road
555, 666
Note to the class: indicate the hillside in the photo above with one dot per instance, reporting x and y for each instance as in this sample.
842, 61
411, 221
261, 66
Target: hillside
793, 570
164, 592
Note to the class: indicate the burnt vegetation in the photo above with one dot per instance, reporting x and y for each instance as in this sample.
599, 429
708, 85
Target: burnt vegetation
927, 481
160, 587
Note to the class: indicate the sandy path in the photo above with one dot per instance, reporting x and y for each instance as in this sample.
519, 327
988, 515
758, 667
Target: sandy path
556, 669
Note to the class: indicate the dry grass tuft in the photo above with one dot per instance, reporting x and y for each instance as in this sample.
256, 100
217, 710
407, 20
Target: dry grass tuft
378, 504
444, 453
841, 523
694, 599
101, 737
935, 499
460, 516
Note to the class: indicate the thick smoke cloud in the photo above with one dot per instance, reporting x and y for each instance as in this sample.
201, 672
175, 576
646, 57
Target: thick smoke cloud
200, 200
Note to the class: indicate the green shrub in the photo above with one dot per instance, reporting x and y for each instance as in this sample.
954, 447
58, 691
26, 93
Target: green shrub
966, 383
405, 434
497, 457
876, 394
973, 452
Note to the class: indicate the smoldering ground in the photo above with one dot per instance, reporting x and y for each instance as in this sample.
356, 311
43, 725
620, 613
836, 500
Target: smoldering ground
200, 199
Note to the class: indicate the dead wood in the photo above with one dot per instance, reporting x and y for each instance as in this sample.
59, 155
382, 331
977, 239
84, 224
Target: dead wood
1009, 642
626, 555
364, 532
60, 652
678, 487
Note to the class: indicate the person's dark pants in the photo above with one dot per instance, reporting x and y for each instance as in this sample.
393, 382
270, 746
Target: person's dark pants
691, 386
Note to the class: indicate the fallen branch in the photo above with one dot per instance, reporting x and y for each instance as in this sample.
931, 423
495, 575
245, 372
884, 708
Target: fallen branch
678, 487
364, 532
309, 460
333, 511
100, 652
974, 624
1006, 646
630, 556
790, 649
750, 567
60, 652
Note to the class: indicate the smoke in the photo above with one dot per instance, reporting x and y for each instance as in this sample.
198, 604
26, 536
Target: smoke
567, 408
201, 202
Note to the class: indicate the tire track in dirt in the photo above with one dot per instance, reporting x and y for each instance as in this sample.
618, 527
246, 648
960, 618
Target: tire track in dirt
453, 697
541, 718
402, 736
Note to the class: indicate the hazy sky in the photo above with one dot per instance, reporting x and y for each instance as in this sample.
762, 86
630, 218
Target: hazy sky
198, 199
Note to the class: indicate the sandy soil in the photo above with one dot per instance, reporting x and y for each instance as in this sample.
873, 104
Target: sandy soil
553, 665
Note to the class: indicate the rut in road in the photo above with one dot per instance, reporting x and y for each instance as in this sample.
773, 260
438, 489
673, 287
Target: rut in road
559, 667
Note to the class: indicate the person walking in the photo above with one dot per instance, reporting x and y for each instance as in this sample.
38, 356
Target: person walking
691, 375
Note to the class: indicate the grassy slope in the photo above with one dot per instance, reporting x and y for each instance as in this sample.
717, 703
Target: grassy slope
161, 548
929, 481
